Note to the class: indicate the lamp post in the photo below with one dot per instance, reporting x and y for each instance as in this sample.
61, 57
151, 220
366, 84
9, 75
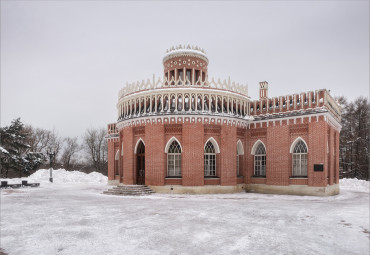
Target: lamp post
51, 154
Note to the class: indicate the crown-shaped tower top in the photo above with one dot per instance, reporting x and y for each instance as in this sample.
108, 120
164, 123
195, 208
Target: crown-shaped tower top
187, 64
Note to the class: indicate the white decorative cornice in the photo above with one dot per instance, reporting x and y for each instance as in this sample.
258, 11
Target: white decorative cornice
171, 119
157, 84
327, 116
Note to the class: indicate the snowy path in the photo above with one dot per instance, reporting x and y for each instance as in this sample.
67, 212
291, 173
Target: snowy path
78, 219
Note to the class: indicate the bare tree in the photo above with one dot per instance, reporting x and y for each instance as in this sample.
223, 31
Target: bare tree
96, 146
56, 143
40, 139
70, 149
354, 138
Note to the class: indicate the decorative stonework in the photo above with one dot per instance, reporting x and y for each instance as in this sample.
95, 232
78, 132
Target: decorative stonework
299, 129
139, 131
158, 83
240, 132
153, 120
261, 132
185, 51
173, 128
212, 129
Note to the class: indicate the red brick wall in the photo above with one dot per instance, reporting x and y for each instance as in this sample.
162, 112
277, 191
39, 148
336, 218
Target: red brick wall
277, 137
128, 155
228, 155
111, 159
192, 156
155, 157
317, 153
278, 158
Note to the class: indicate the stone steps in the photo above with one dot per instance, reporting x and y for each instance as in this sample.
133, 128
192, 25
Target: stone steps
129, 190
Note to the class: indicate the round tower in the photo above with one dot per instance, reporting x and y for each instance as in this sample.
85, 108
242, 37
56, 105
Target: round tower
185, 65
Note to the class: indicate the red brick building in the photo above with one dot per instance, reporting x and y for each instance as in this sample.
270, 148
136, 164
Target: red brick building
188, 134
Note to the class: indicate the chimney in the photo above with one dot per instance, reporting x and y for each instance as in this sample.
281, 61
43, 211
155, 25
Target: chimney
264, 86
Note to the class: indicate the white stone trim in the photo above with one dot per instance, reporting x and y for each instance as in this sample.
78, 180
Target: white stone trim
295, 142
215, 144
169, 144
178, 118
254, 147
239, 147
329, 119
137, 143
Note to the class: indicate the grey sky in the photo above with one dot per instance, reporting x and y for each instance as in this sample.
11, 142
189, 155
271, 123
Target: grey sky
63, 62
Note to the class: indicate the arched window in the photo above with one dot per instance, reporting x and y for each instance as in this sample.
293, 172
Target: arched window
300, 159
260, 161
116, 163
239, 153
209, 160
174, 160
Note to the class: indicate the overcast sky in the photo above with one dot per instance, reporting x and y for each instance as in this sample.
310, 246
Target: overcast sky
63, 62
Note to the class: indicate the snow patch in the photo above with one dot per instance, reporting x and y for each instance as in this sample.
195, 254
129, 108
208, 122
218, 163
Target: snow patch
355, 184
62, 176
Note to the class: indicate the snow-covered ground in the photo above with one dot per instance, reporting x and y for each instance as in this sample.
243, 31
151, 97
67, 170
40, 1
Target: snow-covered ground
72, 216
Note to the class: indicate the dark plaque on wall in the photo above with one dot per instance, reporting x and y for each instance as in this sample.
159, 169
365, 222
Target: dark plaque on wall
318, 167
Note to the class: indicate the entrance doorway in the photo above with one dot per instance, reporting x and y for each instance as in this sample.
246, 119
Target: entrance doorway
140, 164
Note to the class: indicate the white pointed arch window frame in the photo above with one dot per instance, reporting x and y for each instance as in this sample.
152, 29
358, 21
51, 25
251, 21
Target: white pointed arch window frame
116, 163
259, 158
210, 149
239, 152
299, 151
137, 144
116, 157
173, 157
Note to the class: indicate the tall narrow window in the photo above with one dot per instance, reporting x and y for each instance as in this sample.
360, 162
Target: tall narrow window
239, 155
181, 74
260, 161
188, 76
173, 104
186, 103
172, 76
179, 103
300, 159
196, 75
116, 163
209, 160
237, 162
174, 160
165, 108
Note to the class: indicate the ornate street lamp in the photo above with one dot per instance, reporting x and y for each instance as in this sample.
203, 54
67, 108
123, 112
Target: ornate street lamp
51, 153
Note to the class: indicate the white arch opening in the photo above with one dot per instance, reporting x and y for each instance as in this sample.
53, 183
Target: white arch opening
169, 144
295, 142
137, 144
239, 147
215, 144
254, 148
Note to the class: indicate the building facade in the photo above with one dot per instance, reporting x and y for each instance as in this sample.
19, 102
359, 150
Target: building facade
186, 133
